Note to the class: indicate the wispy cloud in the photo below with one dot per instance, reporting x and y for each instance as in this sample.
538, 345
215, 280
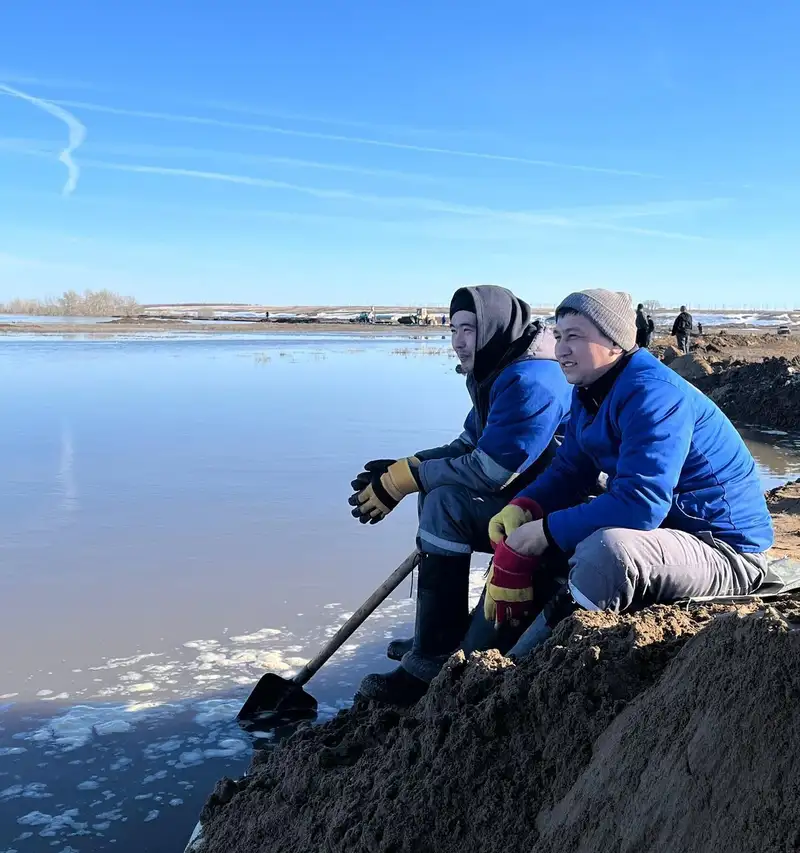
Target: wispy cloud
17, 79
76, 131
531, 218
434, 205
333, 121
41, 147
353, 140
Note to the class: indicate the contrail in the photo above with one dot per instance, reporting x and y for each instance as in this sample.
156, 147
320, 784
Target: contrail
355, 140
554, 219
77, 133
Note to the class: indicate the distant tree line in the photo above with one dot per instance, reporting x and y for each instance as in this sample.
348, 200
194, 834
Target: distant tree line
90, 303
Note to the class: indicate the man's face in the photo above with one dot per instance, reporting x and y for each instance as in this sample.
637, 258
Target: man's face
582, 350
464, 336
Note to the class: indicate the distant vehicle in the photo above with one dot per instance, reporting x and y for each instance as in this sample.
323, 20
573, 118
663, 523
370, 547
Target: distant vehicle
784, 331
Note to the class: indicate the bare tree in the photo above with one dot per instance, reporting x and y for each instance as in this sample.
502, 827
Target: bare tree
100, 303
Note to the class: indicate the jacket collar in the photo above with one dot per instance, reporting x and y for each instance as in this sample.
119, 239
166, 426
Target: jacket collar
592, 396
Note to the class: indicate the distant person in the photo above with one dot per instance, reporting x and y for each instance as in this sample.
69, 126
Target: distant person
651, 330
683, 514
641, 326
699, 328
682, 329
520, 398
444, 319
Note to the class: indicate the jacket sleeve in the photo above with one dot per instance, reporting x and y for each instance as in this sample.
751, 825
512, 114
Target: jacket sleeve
460, 446
656, 424
676, 327
567, 479
522, 421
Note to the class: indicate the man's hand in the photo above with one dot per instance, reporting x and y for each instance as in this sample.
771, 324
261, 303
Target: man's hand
529, 539
374, 466
509, 587
384, 491
511, 517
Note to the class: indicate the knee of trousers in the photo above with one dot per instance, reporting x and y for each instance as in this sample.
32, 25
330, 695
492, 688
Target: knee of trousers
602, 575
445, 520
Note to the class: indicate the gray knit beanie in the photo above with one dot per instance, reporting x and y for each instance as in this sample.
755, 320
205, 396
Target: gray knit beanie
610, 310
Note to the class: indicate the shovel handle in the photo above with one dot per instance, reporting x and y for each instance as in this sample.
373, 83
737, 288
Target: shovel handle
355, 621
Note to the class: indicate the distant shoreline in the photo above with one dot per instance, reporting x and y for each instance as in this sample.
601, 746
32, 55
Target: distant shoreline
167, 328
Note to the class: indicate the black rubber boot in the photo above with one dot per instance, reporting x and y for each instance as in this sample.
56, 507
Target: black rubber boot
397, 648
397, 687
441, 622
442, 604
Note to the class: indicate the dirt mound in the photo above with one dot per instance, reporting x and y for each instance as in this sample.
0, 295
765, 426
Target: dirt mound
487, 760
691, 366
765, 393
784, 504
705, 759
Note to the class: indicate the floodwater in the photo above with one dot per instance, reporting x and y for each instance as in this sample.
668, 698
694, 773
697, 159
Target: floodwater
174, 522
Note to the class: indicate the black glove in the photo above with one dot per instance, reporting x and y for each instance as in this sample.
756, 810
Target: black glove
375, 466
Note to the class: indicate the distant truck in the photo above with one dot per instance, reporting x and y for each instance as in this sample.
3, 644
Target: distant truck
420, 318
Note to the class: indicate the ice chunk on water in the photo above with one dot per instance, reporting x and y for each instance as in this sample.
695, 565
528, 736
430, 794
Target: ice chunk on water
257, 636
154, 777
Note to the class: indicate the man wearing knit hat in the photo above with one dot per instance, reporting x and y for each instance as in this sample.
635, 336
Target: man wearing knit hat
683, 513
520, 398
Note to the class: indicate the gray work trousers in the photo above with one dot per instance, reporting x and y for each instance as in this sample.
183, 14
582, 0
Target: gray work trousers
453, 520
683, 343
618, 569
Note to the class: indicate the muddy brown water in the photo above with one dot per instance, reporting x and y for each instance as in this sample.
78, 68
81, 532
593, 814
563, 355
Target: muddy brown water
173, 521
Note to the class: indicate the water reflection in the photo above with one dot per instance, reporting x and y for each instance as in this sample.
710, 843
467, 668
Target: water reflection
777, 455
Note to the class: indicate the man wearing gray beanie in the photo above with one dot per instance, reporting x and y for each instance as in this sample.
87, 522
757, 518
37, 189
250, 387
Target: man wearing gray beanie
683, 513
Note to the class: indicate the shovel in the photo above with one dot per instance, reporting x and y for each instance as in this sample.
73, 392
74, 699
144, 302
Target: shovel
278, 696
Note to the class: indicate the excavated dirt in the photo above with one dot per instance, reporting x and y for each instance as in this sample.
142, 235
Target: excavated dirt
767, 394
703, 760
664, 731
753, 378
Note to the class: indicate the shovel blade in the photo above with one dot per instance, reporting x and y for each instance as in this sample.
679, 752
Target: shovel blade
274, 697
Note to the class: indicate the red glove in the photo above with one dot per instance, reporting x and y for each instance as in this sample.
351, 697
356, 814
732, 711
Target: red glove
509, 590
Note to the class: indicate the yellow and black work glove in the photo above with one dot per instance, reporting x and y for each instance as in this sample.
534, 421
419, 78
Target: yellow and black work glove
512, 516
375, 466
383, 491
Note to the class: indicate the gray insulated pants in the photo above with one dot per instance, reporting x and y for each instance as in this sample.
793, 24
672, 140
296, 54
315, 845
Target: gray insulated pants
617, 569
453, 520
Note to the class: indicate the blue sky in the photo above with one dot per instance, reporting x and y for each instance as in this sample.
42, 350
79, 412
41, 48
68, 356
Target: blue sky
388, 152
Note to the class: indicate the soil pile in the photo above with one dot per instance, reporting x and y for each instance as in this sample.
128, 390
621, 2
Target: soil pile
766, 393
692, 366
617, 729
705, 760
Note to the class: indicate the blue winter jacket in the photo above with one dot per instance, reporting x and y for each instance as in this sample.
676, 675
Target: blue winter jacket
673, 460
528, 402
